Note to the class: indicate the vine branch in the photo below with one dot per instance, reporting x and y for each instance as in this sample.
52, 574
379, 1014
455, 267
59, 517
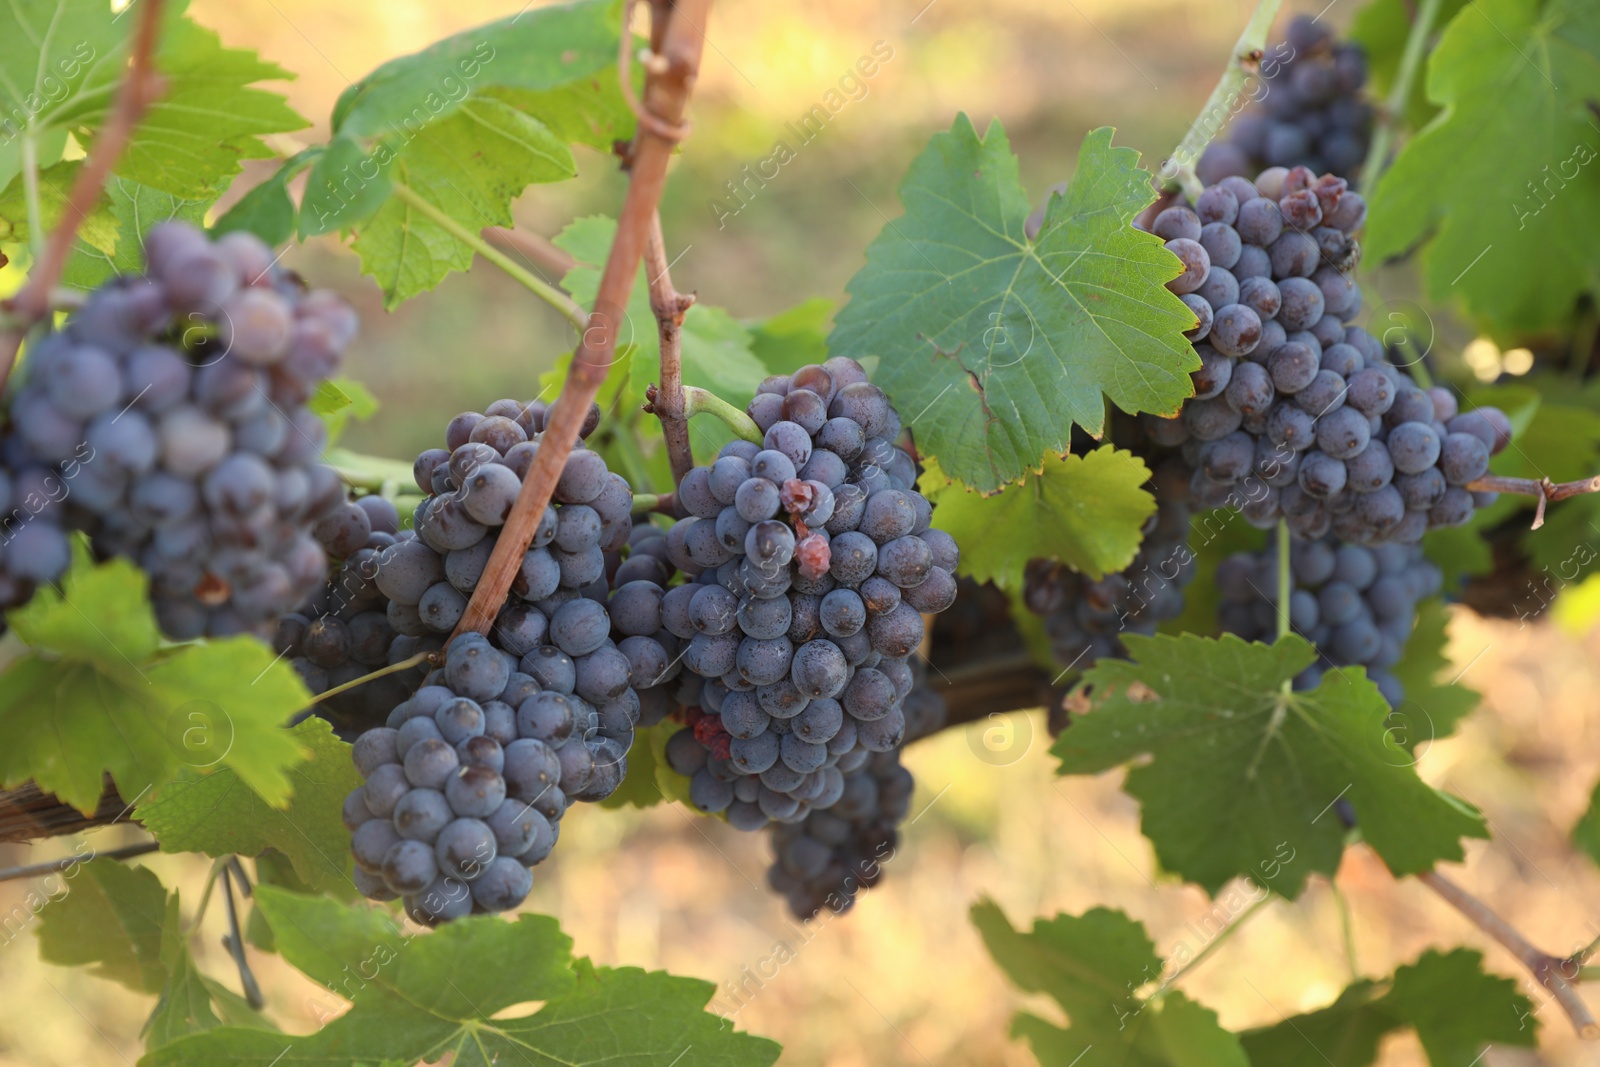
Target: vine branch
669, 307
1399, 92
670, 78
66, 863
1555, 973
1543, 488
140, 86
1219, 106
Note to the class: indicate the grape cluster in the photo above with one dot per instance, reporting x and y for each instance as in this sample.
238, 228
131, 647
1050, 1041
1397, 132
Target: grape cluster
1085, 619
1312, 113
475, 770
168, 421
812, 562
465, 787
1357, 605
829, 857
343, 632
1297, 414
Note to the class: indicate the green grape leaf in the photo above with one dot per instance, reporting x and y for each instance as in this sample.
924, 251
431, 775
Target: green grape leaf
790, 339
110, 917
470, 165
185, 1003
464, 125
131, 211
219, 815
1086, 511
1512, 78
1092, 964
542, 49
991, 345
94, 697
1238, 775
417, 996
1455, 1008
1435, 699
1381, 28
714, 348
266, 210
192, 138
208, 117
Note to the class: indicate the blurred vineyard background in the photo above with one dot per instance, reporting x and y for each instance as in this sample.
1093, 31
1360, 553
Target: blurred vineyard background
903, 979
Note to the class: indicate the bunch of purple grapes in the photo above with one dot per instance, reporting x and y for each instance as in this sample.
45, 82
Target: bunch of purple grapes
465, 787
1085, 619
1298, 414
1310, 111
831, 856
467, 782
1356, 604
168, 421
812, 562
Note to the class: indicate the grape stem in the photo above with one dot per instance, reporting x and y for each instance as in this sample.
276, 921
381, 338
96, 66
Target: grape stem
669, 307
678, 38
140, 86
475, 241
394, 668
1555, 973
1284, 584
699, 401
1223, 101
1543, 488
1399, 93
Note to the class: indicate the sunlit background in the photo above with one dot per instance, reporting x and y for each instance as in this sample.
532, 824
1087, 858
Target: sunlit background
903, 979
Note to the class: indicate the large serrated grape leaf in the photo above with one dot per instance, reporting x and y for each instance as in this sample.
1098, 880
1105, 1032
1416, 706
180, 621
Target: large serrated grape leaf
1242, 773
1091, 964
95, 697
418, 996
62, 62
1086, 511
1506, 178
109, 918
220, 815
1455, 1008
470, 165
992, 346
